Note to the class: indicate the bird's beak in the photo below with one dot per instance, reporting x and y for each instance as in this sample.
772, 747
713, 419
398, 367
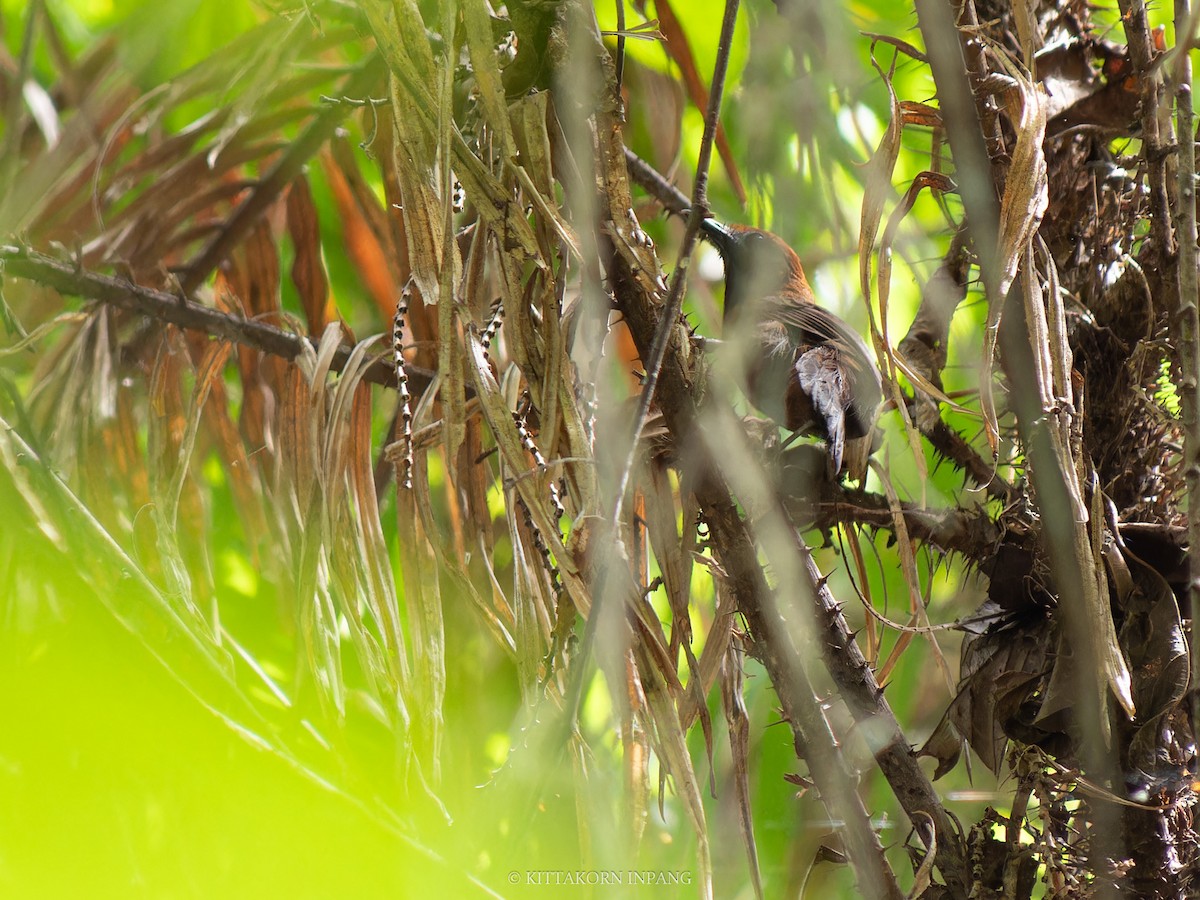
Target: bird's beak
719, 235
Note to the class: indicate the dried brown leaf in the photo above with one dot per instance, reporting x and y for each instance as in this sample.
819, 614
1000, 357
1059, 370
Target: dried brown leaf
1021, 209
365, 230
921, 115
308, 268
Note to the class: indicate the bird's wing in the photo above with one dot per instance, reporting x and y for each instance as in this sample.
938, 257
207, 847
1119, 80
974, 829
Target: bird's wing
821, 377
819, 326
820, 374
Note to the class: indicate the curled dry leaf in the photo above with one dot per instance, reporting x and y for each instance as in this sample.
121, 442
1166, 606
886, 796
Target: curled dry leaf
1021, 209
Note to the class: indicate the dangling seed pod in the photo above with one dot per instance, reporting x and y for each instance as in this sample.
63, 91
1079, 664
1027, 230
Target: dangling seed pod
458, 196
406, 435
539, 544
493, 325
540, 461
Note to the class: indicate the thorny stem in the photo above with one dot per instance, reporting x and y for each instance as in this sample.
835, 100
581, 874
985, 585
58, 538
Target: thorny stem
184, 312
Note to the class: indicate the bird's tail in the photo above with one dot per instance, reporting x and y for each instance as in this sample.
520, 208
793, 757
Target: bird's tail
835, 424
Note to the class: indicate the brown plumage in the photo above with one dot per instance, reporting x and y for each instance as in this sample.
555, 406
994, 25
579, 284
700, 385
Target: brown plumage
812, 373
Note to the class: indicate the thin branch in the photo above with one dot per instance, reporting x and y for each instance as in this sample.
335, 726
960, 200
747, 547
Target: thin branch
1157, 139
185, 313
968, 532
649, 178
666, 326
620, 4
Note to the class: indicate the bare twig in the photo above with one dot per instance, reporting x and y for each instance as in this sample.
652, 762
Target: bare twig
620, 4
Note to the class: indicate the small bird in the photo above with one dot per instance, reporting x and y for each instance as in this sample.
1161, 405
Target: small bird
812, 372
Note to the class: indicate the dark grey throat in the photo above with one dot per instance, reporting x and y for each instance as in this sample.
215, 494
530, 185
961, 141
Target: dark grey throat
730, 245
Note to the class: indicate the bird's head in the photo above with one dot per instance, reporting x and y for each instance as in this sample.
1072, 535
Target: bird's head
757, 264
